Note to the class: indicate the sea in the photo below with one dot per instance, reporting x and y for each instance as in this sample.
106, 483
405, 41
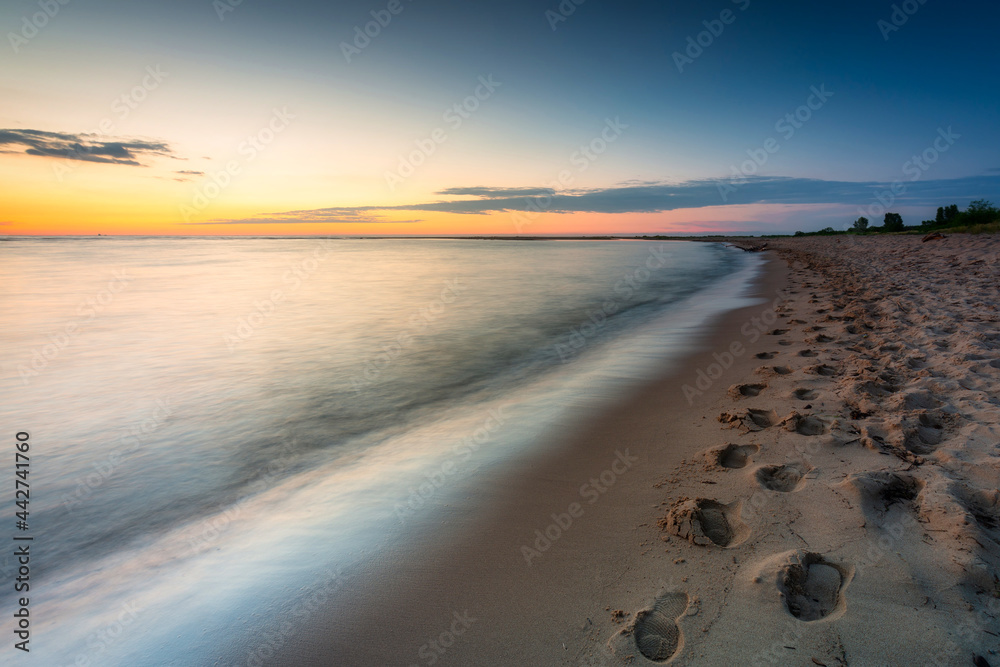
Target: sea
217, 430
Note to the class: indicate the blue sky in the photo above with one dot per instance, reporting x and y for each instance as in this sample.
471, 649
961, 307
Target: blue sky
890, 91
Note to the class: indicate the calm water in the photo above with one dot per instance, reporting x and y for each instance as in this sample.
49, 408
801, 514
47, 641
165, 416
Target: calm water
218, 424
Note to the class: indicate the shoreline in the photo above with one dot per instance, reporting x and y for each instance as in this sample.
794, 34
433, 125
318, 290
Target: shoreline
454, 569
830, 498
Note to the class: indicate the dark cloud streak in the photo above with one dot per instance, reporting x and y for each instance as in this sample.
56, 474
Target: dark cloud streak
82, 147
653, 198
493, 193
657, 197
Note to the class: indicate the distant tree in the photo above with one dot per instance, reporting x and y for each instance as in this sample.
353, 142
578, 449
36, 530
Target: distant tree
951, 214
800, 234
893, 222
981, 212
861, 224
940, 216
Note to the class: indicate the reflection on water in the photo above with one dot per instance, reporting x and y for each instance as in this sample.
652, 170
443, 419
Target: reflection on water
203, 412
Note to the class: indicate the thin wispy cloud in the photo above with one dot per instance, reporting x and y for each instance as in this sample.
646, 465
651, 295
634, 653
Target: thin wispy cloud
82, 147
493, 193
348, 215
187, 175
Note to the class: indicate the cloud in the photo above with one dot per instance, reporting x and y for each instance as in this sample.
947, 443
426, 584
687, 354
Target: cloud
349, 215
493, 193
657, 197
187, 175
652, 197
83, 147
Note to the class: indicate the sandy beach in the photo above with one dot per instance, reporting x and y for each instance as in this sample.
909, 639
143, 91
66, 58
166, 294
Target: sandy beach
521, 334
816, 486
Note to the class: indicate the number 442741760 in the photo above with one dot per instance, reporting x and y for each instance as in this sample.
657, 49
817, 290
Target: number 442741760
22, 492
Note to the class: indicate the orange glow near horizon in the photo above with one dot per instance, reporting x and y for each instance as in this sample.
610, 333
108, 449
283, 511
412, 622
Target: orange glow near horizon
61, 197
119, 222
25, 216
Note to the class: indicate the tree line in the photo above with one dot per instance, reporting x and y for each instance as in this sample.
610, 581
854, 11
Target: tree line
980, 212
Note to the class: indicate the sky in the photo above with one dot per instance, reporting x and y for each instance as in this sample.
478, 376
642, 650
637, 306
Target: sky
358, 117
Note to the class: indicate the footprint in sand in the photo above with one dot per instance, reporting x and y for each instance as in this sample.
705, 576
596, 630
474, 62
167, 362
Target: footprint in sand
805, 424
732, 456
778, 332
808, 353
750, 419
805, 394
928, 434
704, 522
783, 478
823, 369
983, 505
972, 383
880, 490
746, 390
766, 355
657, 635
773, 370
920, 400
813, 587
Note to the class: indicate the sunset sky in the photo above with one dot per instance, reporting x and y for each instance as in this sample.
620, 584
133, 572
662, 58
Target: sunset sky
524, 117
